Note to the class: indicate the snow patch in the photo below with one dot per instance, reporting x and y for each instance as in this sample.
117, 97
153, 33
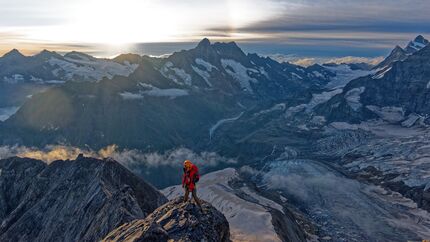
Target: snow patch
381, 74
320, 98
173, 73
205, 64
87, 69
6, 112
171, 92
150, 90
239, 73
389, 114
14, 79
344, 74
318, 74
353, 97
131, 96
293, 74
204, 74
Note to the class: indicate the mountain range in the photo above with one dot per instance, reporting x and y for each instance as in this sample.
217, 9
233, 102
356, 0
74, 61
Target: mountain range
293, 132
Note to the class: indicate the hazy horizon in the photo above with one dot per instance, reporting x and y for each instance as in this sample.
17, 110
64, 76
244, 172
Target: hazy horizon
302, 28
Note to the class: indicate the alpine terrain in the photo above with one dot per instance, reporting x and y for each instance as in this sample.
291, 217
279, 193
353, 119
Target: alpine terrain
325, 152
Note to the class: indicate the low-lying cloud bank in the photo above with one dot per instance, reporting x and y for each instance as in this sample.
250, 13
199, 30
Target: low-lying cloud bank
308, 61
128, 157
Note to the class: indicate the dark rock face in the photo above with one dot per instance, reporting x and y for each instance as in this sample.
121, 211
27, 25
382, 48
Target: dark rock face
80, 200
397, 54
176, 221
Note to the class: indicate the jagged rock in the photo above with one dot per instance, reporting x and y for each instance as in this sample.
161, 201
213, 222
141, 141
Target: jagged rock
176, 221
80, 200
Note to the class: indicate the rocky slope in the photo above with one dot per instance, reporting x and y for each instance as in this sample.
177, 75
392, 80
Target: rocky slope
176, 221
71, 200
237, 198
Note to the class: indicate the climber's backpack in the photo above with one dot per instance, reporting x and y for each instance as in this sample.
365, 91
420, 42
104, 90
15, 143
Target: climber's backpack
196, 177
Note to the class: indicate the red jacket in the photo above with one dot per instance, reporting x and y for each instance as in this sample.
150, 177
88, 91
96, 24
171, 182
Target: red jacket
188, 179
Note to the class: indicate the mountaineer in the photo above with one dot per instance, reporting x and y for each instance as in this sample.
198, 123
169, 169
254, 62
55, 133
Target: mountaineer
189, 179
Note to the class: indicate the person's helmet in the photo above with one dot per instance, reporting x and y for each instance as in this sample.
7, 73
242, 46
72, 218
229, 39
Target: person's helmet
187, 163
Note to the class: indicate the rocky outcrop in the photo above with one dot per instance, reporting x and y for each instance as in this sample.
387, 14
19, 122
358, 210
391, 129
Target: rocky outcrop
70, 200
176, 221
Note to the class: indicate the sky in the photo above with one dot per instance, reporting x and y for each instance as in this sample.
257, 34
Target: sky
291, 28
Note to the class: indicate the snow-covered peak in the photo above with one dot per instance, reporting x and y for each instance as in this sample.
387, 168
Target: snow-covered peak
417, 44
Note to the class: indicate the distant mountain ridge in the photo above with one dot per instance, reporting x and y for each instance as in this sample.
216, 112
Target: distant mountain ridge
218, 80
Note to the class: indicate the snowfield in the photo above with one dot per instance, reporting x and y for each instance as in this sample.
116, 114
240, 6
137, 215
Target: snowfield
344, 74
240, 73
89, 69
353, 97
177, 75
5, 113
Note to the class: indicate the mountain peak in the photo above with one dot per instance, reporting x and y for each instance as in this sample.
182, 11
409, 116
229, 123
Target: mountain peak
79, 56
421, 39
397, 50
13, 53
417, 44
46, 54
204, 43
176, 221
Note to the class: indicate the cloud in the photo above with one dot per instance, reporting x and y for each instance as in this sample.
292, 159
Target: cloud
308, 61
172, 158
128, 157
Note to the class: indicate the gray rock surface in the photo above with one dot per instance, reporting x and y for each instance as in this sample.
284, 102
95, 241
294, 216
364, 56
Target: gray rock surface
79, 200
176, 221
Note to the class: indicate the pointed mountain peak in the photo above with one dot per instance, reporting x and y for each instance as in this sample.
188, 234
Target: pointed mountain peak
397, 49
13, 53
204, 43
421, 39
417, 44
397, 54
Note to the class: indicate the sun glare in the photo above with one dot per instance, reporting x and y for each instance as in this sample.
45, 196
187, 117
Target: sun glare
122, 22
